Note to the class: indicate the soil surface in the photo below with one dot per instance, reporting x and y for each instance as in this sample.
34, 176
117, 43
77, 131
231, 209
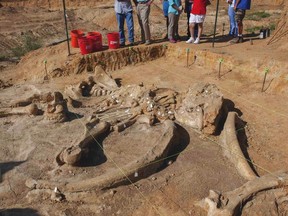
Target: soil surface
28, 145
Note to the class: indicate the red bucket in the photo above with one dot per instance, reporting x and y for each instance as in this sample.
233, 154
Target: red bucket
85, 46
75, 34
113, 40
95, 41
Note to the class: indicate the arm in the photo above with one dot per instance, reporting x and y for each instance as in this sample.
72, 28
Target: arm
176, 8
236, 4
135, 2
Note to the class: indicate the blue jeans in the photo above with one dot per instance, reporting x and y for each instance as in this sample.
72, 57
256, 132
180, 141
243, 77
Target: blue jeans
233, 24
130, 26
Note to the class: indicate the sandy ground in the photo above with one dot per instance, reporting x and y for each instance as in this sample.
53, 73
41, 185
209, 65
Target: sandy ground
199, 167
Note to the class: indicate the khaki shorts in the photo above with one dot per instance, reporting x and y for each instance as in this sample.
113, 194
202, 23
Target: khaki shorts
239, 15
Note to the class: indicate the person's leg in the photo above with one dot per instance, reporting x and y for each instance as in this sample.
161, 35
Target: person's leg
231, 14
165, 6
239, 16
191, 28
130, 26
188, 10
200, 30
192, 21
240, 27
200, 22
167, 23
120, 20
233, 23
145, 21
196, 30
139, 11
171, 30
177, 36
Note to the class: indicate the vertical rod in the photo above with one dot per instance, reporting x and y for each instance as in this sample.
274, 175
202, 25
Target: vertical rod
187, 57
219, 71
66, 26
262, 90
216, 17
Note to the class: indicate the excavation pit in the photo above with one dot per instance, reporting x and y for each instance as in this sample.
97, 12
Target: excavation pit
158, 66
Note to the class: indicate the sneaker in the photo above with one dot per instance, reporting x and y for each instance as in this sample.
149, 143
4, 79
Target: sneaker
190, 40
148, 42
122, 44
172, 40
236, 40
240, 40
130, 44
197, 41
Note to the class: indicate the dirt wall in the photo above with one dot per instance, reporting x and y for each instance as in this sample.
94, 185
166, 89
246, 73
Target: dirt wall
51, 4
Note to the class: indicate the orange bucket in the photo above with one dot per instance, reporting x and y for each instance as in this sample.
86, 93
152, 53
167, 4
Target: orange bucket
113, 40
75, 34
95, 41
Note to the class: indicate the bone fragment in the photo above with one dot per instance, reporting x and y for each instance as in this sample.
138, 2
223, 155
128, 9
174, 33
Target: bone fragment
31, 109
232, 148
228, 203
72, 155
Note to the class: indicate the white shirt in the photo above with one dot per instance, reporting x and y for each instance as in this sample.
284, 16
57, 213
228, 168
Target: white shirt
233, 3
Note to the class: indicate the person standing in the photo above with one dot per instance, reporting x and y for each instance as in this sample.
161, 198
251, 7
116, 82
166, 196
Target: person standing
165, 7
124, 11
231, 13
143, 11
174, 11
240, 8
187, 10
197, 16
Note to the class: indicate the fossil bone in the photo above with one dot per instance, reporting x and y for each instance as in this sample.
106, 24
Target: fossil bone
57, 109
72, 155
31, 109
228, 203
232, 148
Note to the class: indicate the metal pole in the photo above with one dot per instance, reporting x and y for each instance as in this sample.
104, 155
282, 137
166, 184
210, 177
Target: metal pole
67, 35
217, 8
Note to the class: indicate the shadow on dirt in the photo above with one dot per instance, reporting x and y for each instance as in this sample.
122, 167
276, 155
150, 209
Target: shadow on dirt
5, 167
227, 106
183, 139
19, 212
73, 116
227, 38
95, 154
